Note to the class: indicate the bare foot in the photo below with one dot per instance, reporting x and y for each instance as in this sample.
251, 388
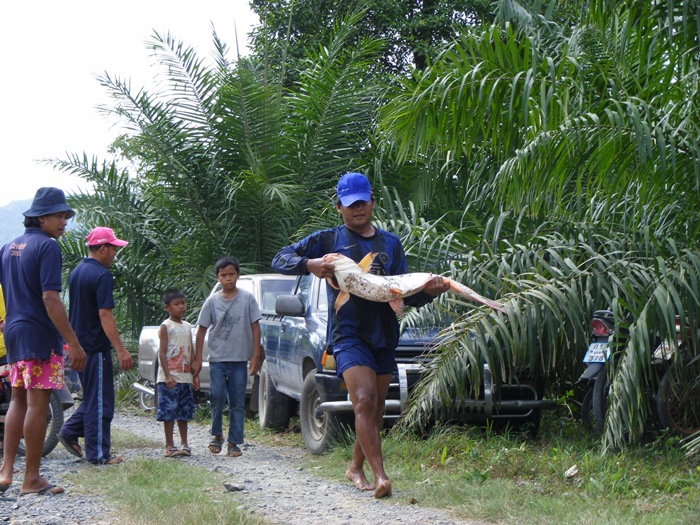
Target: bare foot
383, 489
358, 478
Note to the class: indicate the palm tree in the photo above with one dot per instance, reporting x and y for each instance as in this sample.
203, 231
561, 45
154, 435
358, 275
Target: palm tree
223, 160
580, 143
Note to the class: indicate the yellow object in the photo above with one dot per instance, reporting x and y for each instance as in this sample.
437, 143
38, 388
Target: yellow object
328, 361
3, 350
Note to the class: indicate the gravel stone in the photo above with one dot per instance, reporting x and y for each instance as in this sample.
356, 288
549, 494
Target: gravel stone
269, 481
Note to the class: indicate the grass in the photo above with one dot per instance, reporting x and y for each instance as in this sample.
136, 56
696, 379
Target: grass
154, 492
506, 478
477, 473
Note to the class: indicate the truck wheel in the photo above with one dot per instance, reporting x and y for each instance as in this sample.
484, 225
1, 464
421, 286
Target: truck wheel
274, 408
601, 387
678, 401
54, 422
318, 432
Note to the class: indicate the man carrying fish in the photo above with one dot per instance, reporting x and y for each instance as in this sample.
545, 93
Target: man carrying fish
363, 333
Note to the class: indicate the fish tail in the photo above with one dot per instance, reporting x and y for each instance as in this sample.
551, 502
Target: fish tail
468, 293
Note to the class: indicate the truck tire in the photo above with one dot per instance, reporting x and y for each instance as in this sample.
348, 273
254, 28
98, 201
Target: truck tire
318, 432
274, 408
54, 422
678, 400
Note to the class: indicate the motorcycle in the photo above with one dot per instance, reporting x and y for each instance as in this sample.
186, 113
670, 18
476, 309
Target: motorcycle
60, 401
594, 401
677, 400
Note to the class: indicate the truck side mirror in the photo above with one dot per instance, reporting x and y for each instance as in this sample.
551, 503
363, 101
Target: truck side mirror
290, 305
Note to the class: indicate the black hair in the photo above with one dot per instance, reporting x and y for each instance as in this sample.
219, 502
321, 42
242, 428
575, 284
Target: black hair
32, 222
225, 261
338, 204
172, 294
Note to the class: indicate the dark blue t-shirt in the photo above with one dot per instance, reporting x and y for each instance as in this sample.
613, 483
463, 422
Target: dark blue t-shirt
373, 323
29, 266
90, 286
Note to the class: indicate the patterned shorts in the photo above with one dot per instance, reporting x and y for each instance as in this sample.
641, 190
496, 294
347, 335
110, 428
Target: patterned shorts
175, 404
43, 374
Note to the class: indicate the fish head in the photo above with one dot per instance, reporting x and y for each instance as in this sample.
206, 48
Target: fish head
342, 263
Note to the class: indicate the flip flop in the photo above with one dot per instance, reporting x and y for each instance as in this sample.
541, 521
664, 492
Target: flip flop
71, 445
45, 491
4, 488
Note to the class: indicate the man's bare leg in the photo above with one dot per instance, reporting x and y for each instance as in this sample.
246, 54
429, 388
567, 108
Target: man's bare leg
367, 393
14, 425
355, 471
34, 432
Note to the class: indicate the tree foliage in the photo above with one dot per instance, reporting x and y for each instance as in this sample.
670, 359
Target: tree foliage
551, 158
412, 32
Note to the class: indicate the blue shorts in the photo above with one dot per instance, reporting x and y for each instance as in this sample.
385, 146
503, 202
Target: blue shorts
382, 361
175, 404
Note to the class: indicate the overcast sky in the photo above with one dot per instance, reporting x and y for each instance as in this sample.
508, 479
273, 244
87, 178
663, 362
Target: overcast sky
52, 53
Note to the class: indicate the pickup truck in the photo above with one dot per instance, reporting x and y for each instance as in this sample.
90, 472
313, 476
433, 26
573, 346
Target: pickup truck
265, 288
298, 374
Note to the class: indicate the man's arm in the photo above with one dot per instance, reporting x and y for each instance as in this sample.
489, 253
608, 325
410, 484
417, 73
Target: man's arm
109, 325
289, 262
295, 258
57, 314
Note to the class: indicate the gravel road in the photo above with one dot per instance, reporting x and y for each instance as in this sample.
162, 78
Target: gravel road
273, 480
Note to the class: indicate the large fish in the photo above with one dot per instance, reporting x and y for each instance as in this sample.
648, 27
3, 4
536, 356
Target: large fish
353, 278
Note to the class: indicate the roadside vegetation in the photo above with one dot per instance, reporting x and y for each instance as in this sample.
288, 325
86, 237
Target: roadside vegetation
476, 473
154, 492
509, 478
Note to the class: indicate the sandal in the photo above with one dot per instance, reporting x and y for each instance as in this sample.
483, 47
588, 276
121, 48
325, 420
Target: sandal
185, 451
216, 444
171, 452
233, 450
71, 445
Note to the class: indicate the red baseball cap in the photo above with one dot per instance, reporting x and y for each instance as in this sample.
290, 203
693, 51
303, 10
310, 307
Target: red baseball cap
103, 235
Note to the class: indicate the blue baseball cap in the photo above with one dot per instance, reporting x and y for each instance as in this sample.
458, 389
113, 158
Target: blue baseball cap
353, 187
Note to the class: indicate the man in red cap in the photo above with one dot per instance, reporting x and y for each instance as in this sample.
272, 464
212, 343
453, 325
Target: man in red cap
36, 321
90, 286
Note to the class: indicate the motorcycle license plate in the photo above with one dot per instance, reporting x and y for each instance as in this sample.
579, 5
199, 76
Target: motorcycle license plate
597, 353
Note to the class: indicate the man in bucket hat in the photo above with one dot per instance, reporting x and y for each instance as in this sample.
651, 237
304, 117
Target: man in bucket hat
91, 302
30, 275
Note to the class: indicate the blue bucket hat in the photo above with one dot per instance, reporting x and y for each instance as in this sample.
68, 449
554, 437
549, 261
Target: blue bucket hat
353, 187
48, 201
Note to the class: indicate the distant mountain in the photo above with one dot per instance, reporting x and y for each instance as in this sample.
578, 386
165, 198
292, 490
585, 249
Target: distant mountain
12, 220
